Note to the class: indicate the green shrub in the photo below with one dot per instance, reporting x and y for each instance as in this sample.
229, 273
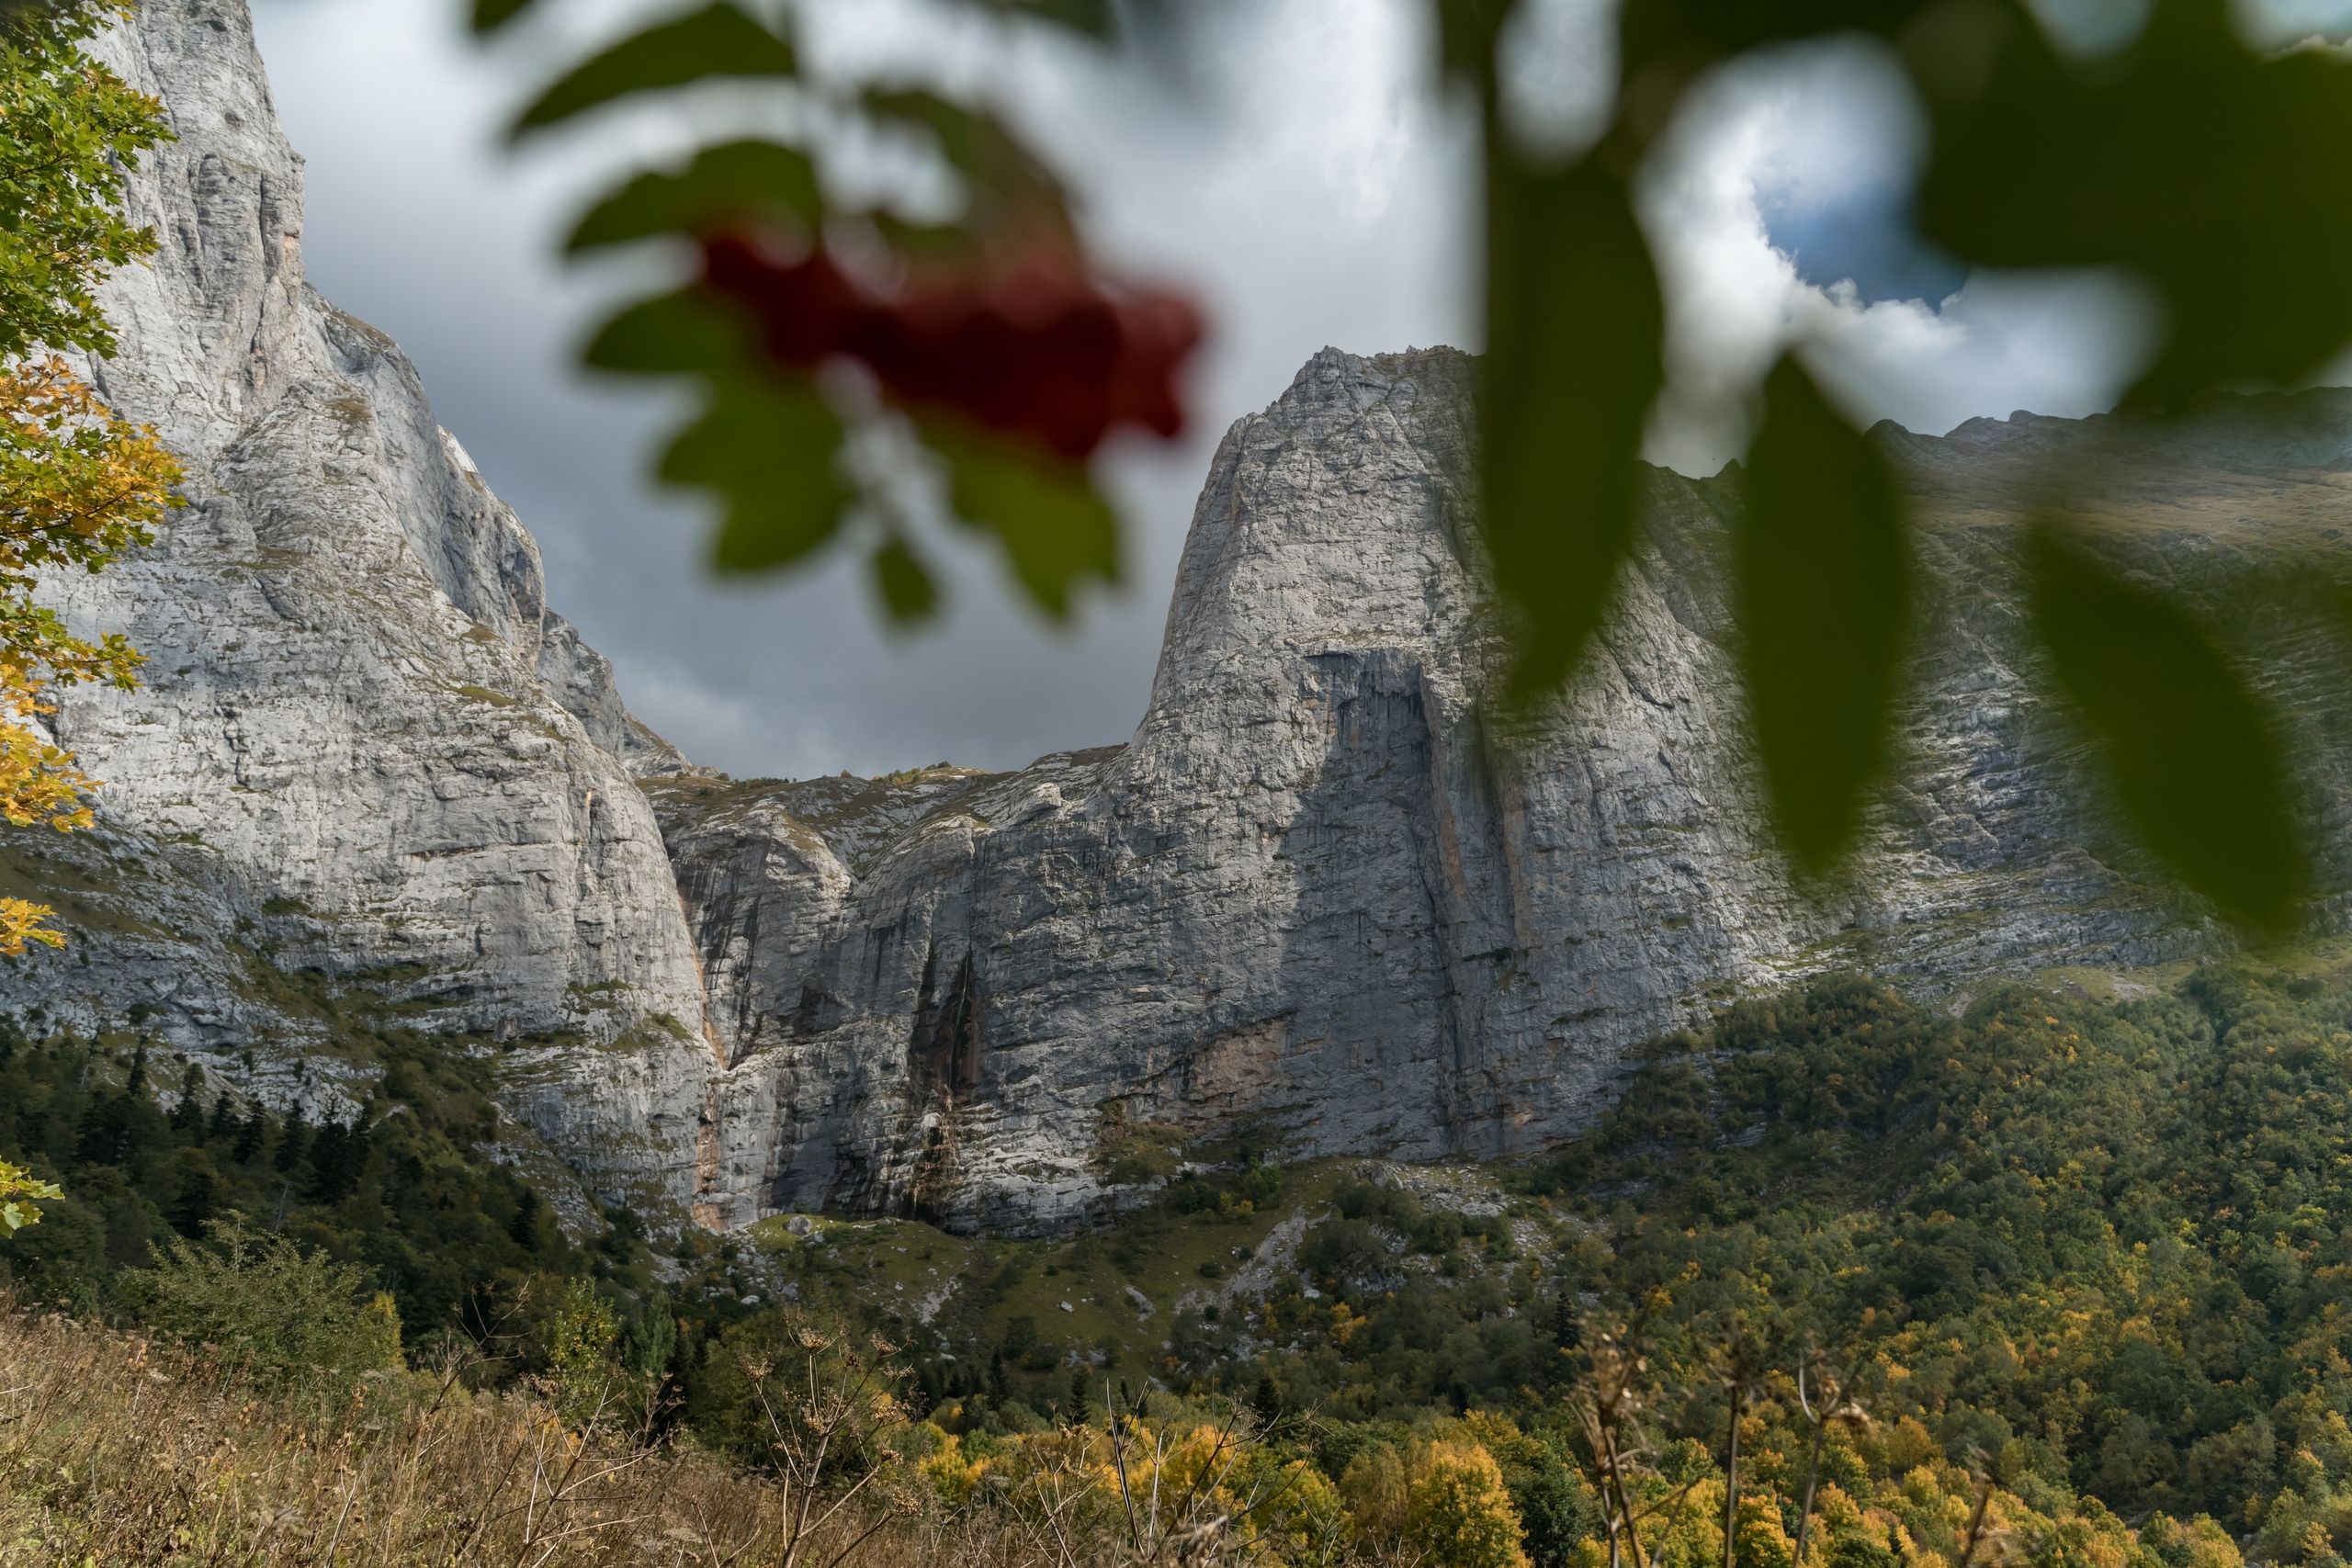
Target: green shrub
581, 1340
792, 1392
265, 1302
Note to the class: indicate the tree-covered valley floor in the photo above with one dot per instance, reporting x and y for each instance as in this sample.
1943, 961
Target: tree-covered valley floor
2067, 1278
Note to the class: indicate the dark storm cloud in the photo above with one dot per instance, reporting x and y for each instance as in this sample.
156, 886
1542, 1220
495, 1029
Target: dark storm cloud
1297, 174
1297, 184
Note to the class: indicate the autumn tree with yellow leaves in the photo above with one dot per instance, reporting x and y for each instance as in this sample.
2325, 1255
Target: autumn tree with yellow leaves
18, 1190
79, 485
1439, 1500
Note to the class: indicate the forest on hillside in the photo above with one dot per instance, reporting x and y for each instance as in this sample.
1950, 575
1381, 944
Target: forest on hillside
2066, 1280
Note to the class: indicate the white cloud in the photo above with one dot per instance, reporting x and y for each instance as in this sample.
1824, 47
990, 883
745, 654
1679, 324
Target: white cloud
1297, 179
1559, 73
1812, 128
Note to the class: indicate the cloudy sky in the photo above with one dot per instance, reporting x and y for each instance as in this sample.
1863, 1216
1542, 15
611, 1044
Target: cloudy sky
1297, 175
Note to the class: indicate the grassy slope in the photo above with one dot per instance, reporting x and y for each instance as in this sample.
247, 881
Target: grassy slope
116, 1451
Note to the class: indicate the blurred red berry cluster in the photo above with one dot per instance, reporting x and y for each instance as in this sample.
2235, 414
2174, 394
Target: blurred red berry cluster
1040, 351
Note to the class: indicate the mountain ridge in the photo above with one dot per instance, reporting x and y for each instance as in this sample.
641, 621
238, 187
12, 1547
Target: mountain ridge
1321, 896
1329, 574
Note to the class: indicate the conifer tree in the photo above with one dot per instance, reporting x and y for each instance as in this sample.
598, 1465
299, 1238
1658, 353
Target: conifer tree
523, 1226
1567, 1330
1265, 1399
293, 1142
338, 1156
187, 1117
326, 1160
649, 1342
252, 1131
103, 1136
198, 1194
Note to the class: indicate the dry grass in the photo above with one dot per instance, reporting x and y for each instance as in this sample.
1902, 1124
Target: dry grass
116, 1451
119, 1450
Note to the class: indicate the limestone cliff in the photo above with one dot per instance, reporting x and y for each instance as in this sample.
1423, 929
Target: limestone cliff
367, 754
1321, 896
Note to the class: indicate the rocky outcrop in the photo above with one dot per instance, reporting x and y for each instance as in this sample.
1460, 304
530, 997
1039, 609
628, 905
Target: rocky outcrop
1315, 894
366, 755
1323, 898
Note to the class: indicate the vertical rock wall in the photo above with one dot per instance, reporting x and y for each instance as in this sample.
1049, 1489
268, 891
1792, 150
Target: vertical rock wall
1327, 897
365, 747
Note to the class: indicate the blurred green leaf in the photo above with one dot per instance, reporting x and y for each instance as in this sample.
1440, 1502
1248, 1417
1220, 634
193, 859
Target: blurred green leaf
1574, 334
718, 40
1056, 528
1466, 31
924, 242
489, 16
767, 447
1824, 574
1699, 30
907, 592
2216, 173
685, 332
2196, 759
733, 183
1009, 186
1096, 19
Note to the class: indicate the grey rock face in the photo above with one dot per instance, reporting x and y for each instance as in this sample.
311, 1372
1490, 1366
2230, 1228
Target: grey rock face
1313, 892
1317, 894
366, 747
1324, 896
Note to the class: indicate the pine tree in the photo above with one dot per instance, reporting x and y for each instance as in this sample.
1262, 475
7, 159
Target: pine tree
104, 1136
403, 1175
523, 1226
251, 1132
326, 1161
650, 1341
1266, 1399
1569, 1360
223, 1121
338, 1156
200, 1191
293, 1141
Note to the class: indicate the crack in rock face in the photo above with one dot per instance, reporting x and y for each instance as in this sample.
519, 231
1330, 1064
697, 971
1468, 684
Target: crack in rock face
1323, 898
